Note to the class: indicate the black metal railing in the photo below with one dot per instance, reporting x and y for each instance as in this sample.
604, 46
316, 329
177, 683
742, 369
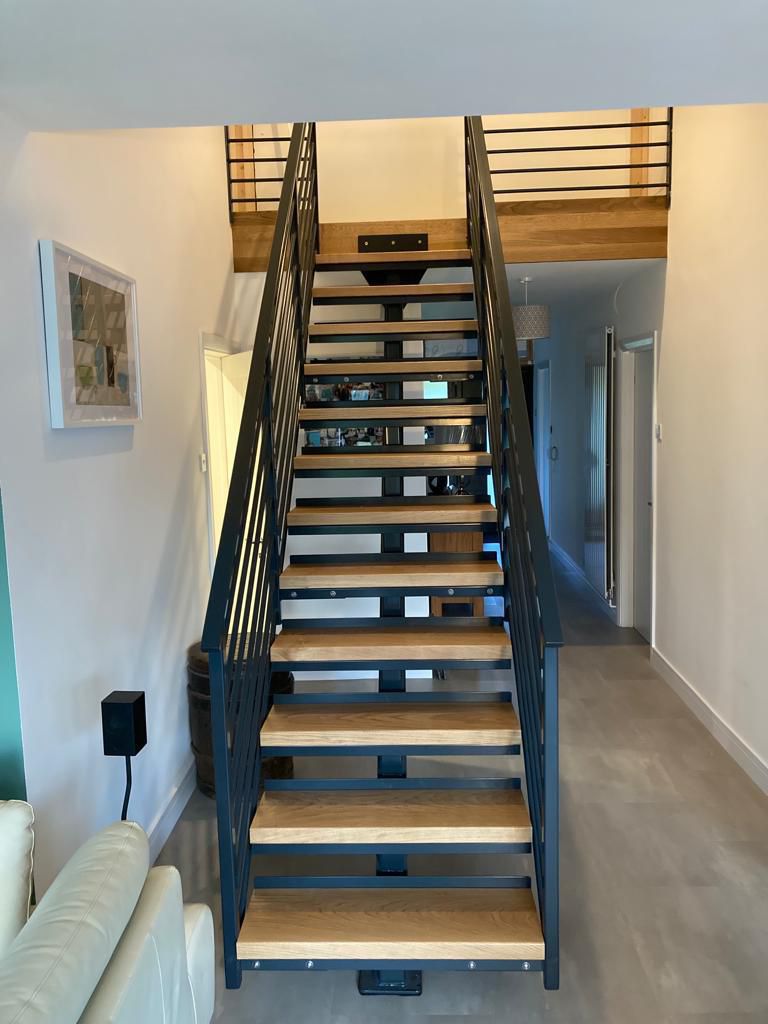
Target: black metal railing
630, 156
529, 593
243, 610
256, 165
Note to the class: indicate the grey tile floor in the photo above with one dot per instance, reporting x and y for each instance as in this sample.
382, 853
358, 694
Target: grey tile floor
664, 848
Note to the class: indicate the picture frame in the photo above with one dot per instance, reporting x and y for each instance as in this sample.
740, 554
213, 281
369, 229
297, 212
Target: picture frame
91, 340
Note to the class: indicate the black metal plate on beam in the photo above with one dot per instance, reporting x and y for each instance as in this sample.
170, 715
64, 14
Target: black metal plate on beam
392, 243
428, 965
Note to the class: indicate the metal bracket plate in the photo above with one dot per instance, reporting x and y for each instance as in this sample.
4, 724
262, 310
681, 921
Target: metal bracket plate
392, 243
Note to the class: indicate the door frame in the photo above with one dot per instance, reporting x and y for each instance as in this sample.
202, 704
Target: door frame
547, 455
625, 490
220, 346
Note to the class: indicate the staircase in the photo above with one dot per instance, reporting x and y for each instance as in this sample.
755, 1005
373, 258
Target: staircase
382, 919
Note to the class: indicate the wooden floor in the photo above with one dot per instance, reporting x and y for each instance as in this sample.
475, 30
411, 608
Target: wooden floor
392, 816
361, 725
433, 924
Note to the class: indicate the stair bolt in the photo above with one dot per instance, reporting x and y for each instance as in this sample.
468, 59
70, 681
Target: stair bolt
346, 380
451, 591
526, 965
439, 376
314, 380
257, 963
294, 594
472, 965
489, 590
310, 964
333, 593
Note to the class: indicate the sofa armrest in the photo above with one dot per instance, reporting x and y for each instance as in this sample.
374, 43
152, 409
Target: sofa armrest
146, 979
201, 959
56, 961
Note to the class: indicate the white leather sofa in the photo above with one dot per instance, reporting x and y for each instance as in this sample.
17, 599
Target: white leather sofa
110, 942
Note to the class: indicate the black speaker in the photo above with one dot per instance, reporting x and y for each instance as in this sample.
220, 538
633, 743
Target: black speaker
124, 722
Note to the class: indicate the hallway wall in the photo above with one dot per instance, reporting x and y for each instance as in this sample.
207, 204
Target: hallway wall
713, 462
106, 528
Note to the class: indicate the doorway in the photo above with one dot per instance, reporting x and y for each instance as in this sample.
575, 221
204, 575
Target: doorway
542, 436
643, 490
224, 378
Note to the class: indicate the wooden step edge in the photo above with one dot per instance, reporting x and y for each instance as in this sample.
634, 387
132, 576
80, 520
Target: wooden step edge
372, 410
438, 460
458, 291
378, 328
455, 257
367, 370
406, 515
376, 924
368, 725
389, 577
424, 816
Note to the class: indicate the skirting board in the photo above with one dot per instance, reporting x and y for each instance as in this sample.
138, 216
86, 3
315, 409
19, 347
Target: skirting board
744, 756
165, 821
574, 567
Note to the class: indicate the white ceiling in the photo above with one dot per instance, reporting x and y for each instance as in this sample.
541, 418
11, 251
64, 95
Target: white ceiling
141, 63
563, 283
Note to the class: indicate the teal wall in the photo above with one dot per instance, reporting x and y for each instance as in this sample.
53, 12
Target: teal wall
12, 785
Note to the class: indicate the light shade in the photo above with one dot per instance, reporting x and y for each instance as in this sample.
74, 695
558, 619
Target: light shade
531, 322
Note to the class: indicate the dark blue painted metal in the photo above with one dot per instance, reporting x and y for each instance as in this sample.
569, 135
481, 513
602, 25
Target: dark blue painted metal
309, 785
243, 610
393, 882
389, 849
530, 603
398, 697
459, 750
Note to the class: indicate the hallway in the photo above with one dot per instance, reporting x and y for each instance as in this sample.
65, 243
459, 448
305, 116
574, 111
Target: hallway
664, 869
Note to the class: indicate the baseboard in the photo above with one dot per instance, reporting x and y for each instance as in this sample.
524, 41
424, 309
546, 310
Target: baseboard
166, 819
574, 567
744, 756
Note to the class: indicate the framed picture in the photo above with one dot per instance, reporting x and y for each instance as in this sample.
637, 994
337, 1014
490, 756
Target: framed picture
91, 340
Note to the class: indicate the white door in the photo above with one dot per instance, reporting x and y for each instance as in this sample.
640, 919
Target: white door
643, 488
226, 378
542, 441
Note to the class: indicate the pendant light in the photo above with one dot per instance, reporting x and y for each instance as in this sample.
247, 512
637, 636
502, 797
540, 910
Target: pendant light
531, 322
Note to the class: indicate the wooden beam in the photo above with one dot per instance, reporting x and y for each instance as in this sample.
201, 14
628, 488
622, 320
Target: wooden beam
532, 231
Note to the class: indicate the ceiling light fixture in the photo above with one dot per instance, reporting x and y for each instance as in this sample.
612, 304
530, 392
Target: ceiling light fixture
531, 322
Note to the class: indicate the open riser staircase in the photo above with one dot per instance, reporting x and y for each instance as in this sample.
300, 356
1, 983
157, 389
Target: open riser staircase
389, 923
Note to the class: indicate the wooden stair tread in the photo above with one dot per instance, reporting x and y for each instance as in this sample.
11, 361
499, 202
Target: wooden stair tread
389, 292
392, 643
396, 724
428, 512
428, 924
357, 411
392, 816
381, 328
394, 460
428, 257
368, 370
470, 573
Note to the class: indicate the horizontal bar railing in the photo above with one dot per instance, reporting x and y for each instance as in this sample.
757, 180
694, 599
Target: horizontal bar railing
243, 609
245, 157
531, 609
650, 174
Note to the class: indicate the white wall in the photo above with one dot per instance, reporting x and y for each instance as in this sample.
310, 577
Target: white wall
106, 528
712, 552
635, 307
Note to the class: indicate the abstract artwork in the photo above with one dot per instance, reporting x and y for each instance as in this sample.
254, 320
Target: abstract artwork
91, 340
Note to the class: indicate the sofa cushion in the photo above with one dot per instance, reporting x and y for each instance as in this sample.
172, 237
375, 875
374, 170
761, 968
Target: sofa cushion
16, 845
54, 964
